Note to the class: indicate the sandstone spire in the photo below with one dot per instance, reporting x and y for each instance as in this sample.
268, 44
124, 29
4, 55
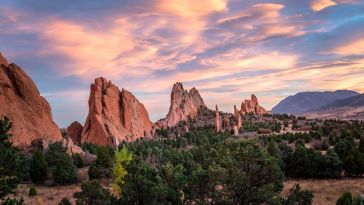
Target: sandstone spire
114, 116
29, 112
237, 116
184, 104
217, 119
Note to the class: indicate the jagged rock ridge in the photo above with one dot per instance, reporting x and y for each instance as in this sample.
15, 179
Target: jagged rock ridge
252, 106
114, 115
184, 104
29, 112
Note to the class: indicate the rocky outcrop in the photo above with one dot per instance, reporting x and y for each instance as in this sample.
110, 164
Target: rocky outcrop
74, 131
217, 120
252, 106
22, 103
184, 105
237, 116
71, 147
114, 116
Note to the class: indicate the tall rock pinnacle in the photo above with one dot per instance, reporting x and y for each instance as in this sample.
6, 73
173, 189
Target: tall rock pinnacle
22, 103
217, 120
114, 116
184, 104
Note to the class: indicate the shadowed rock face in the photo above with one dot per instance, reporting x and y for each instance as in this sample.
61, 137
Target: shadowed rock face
114, 116
29, 112
74, 131
184, 104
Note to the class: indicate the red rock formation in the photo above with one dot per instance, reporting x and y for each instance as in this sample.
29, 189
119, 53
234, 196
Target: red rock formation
114, 116
74, 132
217, 120
237, 116
29, 112
252, 106
184, 104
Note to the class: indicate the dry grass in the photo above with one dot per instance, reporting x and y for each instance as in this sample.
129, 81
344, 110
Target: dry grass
327, 191
47, 195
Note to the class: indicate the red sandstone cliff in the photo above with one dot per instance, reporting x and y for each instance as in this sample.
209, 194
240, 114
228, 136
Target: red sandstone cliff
21, 101
114, 116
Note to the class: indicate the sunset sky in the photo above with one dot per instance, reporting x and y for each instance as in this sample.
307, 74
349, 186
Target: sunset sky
227, 49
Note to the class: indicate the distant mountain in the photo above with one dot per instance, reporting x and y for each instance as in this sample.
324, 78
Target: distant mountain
354, 101
306, 101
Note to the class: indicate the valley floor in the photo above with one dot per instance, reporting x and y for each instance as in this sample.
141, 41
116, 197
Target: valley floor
326, 191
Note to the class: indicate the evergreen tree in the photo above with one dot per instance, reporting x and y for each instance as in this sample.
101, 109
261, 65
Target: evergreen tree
38, 167
92, 193
61, 164
13, 165
361, 145
345, 199
102, 166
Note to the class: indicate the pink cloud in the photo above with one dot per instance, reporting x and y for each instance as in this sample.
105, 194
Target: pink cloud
318, 5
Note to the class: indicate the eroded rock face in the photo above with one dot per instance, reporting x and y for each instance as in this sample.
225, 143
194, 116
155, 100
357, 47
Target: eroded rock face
252, 106
184, 104
74, 132
114, 116
29, 112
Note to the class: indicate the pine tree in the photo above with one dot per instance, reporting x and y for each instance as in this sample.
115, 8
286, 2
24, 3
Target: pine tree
10, 173
38, 167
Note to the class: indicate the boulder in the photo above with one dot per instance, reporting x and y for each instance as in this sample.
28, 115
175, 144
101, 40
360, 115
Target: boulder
22, 103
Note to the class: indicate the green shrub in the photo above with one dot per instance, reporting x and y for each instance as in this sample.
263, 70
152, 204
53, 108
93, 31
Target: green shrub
102, 166
64, 172
14, 166
65, 201
32, 191
91, 148
345, 199
9, 201
38, 167
77, 160
298, 196
92, 193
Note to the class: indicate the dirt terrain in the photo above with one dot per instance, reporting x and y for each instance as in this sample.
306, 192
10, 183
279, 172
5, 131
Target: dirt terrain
327, 191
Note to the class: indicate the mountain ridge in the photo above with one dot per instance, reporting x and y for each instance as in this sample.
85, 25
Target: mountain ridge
310, 100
